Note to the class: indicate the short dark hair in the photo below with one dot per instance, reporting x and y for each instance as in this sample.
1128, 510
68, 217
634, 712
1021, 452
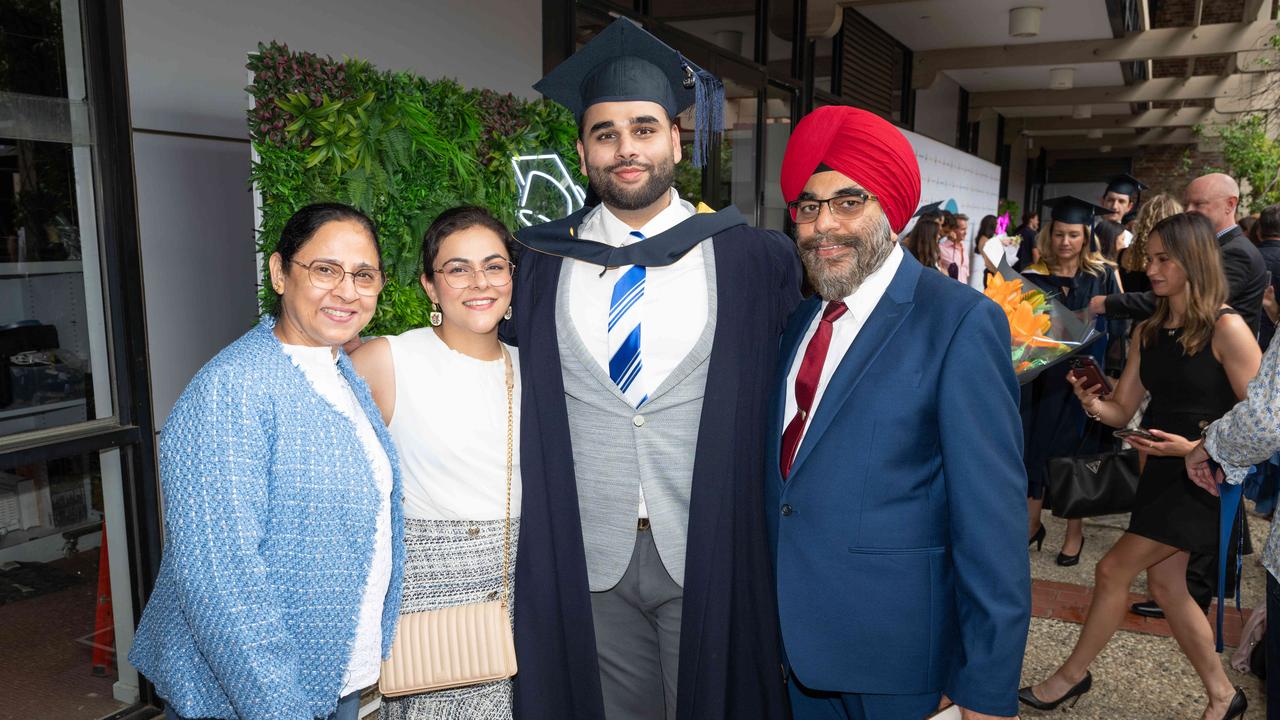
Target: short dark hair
456, 220
1269, 222
306, 222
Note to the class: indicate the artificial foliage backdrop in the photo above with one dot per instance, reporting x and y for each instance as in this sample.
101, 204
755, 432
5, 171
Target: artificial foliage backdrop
400, 147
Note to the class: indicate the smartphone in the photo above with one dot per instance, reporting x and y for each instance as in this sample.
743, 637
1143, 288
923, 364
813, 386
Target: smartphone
1126, 434
1086, 367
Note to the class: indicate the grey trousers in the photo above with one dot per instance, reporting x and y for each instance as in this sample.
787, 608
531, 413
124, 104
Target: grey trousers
637, 624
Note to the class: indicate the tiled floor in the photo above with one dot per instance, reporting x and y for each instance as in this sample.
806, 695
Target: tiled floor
44, 672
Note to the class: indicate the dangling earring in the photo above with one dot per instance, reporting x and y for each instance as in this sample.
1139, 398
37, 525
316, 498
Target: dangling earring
507, 315
436, 317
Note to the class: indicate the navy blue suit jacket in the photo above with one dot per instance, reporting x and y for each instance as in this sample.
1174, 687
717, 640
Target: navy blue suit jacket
899, 537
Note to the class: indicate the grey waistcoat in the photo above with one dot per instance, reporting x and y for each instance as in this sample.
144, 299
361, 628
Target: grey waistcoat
618, 449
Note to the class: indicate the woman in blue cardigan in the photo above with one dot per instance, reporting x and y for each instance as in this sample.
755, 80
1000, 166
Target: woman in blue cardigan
279, 586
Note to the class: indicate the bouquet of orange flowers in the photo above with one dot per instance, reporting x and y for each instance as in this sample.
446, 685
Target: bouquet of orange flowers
1042, 331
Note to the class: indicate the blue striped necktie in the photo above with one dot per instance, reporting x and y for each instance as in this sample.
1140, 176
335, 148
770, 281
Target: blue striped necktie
625, 366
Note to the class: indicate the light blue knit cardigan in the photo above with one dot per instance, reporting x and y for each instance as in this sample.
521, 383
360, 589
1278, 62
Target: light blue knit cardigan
269, 516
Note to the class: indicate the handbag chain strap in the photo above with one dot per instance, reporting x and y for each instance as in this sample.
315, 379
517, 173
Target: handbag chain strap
506, 536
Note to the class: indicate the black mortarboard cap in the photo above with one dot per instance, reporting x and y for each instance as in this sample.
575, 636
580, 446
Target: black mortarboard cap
1125, 184
933, 208
625, 63
1070, 209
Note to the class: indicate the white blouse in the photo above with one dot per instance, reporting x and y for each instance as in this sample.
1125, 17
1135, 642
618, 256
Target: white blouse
450, 428
320, 365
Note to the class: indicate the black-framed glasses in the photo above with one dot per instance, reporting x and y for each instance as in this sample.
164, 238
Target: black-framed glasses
460, 275
845, 206
327, 276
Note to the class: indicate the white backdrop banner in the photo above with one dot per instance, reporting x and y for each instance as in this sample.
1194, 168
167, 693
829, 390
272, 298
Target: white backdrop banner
950, 174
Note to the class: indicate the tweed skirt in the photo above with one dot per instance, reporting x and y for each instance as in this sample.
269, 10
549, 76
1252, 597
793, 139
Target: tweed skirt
448, 563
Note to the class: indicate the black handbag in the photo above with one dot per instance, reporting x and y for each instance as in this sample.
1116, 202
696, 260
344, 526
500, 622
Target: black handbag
1092, 485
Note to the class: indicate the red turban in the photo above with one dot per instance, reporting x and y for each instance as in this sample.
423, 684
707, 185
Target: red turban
861, 145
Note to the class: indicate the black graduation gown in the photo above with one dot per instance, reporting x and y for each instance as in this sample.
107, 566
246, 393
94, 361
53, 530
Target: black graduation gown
1053, 423
730, 666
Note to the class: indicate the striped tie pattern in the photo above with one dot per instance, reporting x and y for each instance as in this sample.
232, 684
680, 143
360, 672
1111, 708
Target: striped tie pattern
625, 365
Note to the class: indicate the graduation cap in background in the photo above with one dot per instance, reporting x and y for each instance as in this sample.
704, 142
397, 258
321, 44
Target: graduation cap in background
936, 208
1125, 184
625, 63
1071, 209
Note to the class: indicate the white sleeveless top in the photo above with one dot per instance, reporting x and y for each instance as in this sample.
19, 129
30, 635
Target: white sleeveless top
450, 426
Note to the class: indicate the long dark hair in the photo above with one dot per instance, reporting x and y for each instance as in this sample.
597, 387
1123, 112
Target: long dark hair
305, 223
1190, 241
987, 228
1108, 232
456, 220
922, 242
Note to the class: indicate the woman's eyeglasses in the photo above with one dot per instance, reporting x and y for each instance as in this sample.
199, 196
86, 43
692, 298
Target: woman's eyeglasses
327, 276
460, 275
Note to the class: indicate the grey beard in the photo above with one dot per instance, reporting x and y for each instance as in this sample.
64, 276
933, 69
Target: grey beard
870, 246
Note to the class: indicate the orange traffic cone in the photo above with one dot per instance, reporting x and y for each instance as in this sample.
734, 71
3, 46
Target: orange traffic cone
104, 632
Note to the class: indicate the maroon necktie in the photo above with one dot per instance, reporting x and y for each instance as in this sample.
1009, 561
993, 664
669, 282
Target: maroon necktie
807, 382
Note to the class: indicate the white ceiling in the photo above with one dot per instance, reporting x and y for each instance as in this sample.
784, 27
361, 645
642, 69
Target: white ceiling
945, 24
937, 24
1035, 77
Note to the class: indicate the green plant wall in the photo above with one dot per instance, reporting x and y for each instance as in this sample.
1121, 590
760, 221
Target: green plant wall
399, 147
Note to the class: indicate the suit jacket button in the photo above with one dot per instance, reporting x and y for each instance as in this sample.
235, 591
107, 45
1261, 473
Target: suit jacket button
786, 510
638, 421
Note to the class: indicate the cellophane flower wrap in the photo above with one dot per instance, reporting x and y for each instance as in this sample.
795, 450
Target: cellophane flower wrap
1043, 332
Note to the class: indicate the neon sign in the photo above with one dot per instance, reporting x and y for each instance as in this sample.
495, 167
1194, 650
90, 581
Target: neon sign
546, 189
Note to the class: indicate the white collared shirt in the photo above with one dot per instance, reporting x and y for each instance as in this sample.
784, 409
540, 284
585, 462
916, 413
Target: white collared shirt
843, 332
673, 312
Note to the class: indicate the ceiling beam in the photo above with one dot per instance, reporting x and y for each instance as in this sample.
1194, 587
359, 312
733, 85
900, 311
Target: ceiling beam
1200, 87
1184, 117
1176, 136
1157, 44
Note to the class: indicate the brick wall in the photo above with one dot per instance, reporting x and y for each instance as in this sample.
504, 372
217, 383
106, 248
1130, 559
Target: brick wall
1168, 168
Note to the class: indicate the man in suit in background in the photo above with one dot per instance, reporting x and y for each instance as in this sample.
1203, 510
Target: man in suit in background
894, 494
1215, 196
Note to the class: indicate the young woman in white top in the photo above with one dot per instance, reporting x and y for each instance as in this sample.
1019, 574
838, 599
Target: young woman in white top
443, 394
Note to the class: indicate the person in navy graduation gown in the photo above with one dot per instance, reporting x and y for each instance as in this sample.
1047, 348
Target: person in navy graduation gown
1071, 270
643, 583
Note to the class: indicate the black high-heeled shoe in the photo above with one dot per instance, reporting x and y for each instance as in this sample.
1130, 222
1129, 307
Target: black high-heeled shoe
1027, 697
1239, 703
1066, 560
1037, 539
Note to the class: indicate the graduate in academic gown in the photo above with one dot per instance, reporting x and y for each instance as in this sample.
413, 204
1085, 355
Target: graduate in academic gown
571, 611
1072, 270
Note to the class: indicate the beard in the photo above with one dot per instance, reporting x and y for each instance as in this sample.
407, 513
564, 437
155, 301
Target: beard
602, 183
837, 278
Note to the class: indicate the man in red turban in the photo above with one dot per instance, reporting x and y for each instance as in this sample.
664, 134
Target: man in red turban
895, 495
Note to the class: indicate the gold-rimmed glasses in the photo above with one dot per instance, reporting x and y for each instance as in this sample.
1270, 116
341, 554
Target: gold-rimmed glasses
460, 275
327, 276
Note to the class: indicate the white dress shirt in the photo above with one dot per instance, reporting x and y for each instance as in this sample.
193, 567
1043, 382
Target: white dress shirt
843, 332
673, 312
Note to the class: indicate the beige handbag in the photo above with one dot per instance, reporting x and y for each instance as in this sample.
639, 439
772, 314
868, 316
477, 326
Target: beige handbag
464, 644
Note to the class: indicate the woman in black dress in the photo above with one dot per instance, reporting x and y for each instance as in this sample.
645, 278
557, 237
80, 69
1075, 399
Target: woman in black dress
1195, 356
1071, 270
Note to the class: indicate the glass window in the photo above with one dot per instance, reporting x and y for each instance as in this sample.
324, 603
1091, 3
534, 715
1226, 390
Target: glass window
53, 350
777, 128
65, 601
